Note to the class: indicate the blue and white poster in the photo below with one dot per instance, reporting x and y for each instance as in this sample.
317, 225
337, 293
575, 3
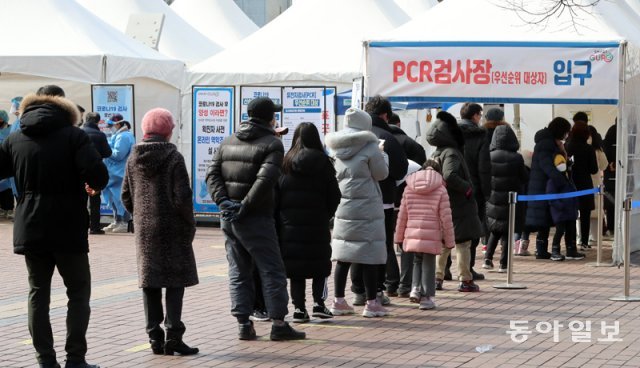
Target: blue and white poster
110, 99
315, 105
248, 93
212, 117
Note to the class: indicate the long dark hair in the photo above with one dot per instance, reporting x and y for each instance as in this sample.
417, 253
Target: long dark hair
306, 136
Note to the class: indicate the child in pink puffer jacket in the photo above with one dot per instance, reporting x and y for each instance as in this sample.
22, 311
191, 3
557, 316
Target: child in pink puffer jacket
424, 226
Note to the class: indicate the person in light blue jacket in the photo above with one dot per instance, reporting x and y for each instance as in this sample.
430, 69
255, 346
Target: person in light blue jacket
121, 143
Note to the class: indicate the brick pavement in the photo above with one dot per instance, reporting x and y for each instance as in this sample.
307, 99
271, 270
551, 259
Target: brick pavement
445, 337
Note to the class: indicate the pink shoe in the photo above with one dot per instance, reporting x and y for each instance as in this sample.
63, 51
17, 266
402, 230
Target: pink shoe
516, 247
341, 308
373, 309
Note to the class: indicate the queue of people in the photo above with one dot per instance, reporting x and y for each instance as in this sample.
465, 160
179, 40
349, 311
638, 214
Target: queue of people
372, 182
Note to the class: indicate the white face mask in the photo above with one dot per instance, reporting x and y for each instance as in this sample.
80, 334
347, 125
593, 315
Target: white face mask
562, 167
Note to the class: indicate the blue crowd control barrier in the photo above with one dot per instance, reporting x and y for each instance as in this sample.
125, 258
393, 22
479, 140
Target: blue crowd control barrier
547, 197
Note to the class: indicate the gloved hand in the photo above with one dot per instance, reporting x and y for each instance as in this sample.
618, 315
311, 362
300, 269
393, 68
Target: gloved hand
229, 210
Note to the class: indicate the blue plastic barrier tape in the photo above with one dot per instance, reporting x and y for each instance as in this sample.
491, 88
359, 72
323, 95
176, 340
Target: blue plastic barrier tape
635, 204
547, 197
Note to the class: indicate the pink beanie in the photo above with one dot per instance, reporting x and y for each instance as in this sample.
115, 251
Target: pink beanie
157, 121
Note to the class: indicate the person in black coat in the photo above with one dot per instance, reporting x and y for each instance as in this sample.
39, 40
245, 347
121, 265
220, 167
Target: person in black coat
99, 140
389, 274
307, 198
242, 180
508, 174
548, 143
476, 155
584, 165
52, 160
416, 153
609, 145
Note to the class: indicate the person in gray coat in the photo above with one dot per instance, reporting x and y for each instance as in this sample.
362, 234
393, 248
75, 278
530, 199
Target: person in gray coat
445, 134
358, 230
156, 191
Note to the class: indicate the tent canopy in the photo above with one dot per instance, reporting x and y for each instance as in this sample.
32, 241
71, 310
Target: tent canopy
62, 40
312, 41
222, 21
178, 39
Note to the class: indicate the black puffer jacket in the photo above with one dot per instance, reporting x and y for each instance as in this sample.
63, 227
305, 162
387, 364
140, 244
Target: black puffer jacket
246, 168
464, 211
508, 174
584, 165
51, 161
307, 199
398, 163
98, 138
609, 144
542, 169
476, 155
414, 150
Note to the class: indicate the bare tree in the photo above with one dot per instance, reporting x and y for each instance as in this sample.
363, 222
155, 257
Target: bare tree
543, 11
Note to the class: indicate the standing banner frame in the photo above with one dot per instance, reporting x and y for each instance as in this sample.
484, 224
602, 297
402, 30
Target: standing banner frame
212, 117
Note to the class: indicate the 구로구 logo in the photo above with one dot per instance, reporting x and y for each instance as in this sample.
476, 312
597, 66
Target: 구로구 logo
601, 55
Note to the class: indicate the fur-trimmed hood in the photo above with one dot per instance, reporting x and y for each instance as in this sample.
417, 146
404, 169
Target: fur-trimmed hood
347, 142
42, 115
494, 124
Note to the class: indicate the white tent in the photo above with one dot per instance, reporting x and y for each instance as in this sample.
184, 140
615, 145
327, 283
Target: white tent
178, 39
463, 24
314, 41
61, 42
222, 21
415, 8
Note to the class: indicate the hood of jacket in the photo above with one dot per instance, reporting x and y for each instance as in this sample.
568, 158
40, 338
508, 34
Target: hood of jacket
42, 115
151, 157
396, 130
493, 124
424, 181
504, 138
347, 142
438, 135
309, 162
469, 129
377, 121
254, 128
543, 134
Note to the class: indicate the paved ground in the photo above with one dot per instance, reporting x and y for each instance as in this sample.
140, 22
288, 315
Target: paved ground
449, 336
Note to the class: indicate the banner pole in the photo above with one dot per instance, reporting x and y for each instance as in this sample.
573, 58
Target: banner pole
513, 198
600, 209
627, 257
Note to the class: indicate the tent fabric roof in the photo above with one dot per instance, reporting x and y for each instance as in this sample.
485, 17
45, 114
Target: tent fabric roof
222, 21
415, 8
61, 39
178, 39
495, 20
313, 40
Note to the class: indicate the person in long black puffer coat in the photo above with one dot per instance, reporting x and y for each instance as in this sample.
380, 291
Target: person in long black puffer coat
307, 198
508, 174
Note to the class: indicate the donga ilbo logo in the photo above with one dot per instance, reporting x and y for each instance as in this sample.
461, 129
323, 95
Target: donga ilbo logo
601, 55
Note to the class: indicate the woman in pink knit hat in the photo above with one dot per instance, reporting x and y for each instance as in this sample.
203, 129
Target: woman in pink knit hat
156, 191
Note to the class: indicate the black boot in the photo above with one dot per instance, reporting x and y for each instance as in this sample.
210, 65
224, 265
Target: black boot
541, 249
476, 275
285, 332
174, 343
572, 252
555, 253
156, 340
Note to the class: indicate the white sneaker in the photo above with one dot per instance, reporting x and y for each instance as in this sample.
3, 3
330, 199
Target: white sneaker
109, 227
374, 309
427, 303
120, 228
414, 296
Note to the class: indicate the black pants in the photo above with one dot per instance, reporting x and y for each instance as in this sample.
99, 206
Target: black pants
568, 229
369, 277
258, 303
609, 207
472, 249
318, 290
585, 224
492, 244
154, 314
74, 269
94, 212
6, 200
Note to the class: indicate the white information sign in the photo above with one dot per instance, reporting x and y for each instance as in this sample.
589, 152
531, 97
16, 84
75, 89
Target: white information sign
248, 93
315, 105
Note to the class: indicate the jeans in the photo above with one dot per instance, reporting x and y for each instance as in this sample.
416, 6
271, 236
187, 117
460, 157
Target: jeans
424, 273
462, 260
254, 239
76, 275
406, 271
318, 290
154, 315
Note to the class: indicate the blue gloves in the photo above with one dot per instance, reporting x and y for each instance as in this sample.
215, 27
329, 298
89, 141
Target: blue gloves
230, 210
